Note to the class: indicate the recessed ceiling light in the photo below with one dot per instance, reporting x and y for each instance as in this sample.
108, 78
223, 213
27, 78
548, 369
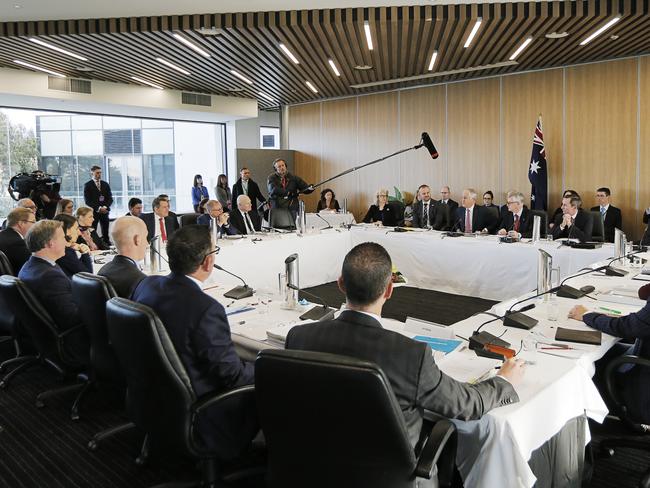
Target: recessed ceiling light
601, 30
38, 68
363, 67
264, 95
521, 48
434, 56
191, 45
333, 66
613, 38
311, 87
241, 77
556, 35
56, 48
288, 53
153, 85
18, 6
477, 24
366, 28
173, 66
210, 31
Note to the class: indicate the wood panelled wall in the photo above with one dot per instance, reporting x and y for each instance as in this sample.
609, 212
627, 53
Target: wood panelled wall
596, 120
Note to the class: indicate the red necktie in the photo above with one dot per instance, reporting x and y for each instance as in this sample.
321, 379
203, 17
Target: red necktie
163, 233
468, 221
284, 183
516, 227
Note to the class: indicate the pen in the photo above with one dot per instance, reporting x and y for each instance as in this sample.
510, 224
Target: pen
610, 310
556, 348
230, 303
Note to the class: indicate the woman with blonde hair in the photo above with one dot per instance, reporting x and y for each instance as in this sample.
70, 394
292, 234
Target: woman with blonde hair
381, 213
88, 235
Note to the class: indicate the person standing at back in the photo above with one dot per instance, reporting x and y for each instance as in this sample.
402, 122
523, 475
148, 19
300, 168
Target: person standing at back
610, 215
222, 191
98, 196
246, 186
199, 192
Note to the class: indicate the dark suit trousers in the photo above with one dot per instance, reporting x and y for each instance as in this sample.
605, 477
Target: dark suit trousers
103, 221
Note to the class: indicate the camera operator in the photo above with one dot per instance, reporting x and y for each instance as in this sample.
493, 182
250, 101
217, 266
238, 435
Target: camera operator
46, 197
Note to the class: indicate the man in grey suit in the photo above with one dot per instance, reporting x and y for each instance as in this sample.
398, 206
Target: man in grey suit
129, 234
417, 382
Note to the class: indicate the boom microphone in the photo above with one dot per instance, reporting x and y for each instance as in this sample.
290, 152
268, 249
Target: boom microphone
428, 143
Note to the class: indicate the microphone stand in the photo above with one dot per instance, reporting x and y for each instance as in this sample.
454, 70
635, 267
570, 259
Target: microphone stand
321, 312
237, 292
329, 226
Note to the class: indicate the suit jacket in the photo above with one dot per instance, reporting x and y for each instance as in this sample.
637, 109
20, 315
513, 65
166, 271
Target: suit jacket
634, 327
231, 230
453, 205
71, 264
93, 196
482, 218
151, 220
437, 215
613, 220
286, 197
201, 337
123, 274
13, 245
417, 382
388, 216
581, 229
237, 221
525, 222
254, 193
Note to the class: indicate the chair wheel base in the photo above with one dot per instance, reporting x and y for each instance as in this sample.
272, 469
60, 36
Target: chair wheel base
92, 445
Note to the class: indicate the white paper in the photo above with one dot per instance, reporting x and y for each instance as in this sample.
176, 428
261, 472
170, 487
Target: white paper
428, 329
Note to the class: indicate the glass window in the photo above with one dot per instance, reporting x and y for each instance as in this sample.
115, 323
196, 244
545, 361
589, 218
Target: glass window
87, 142
54, 122
122, 142
158, 141
121, 123
85, 122
56, 143
159, 174
157, 124
269, 138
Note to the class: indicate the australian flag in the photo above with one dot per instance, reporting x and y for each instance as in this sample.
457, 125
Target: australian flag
537, 173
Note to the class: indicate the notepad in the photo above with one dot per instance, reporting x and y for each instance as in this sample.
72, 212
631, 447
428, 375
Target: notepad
443, 345
580, 336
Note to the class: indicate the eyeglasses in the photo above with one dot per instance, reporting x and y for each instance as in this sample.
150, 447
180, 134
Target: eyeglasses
214, 251
29, 221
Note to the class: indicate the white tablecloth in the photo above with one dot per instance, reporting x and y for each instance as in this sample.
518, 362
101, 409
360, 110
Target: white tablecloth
478, 267
321, 220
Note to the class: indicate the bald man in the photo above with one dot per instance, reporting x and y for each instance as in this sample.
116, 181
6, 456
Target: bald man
129, 235
245, 220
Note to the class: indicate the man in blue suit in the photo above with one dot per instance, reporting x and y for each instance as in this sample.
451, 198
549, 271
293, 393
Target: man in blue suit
198, 327
633, 381
216, 216
52, 287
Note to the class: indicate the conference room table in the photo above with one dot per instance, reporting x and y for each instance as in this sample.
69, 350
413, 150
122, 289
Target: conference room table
557, 386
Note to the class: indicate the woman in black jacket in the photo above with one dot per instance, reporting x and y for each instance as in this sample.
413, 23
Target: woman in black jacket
381, 213
71, 263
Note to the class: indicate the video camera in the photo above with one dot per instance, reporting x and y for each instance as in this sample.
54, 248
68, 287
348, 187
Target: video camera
23, 184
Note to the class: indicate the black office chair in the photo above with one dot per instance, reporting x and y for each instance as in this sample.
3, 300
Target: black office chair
494, 211
543, 227
160, 398
91, 292
446, 218
598, 231
639, 437
398, 210
281, 218
8, 323
332, 420
188, 219
49, 340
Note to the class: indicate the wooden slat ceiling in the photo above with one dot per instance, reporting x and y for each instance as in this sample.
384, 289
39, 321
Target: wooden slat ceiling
404, 39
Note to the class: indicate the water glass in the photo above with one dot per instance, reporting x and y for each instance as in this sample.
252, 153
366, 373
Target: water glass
553, 310
530, 346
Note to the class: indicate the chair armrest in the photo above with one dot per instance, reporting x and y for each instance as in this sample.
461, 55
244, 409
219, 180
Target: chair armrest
440, 445
612, 393
210, 400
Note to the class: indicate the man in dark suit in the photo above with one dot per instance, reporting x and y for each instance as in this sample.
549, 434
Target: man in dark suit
245, 186
427, 213
632, 382
517, 221
445, 194
159, 222
135, 207
474, 218
243, 218
612, 217
284, 187
130, 237
98, 196
12, 239
198, 328
46, 241
573, 223
216, 216
417, 382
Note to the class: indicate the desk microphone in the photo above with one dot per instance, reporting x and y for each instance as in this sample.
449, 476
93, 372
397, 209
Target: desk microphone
321, 312
329, 226
237, 292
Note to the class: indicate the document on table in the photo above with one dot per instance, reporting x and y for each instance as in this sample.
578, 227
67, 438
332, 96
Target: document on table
469, 367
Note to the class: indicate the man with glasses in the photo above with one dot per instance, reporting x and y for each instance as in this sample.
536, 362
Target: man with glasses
445, 194
198, 328
610, 215
517, 222
27, 203
215, 216
12, 239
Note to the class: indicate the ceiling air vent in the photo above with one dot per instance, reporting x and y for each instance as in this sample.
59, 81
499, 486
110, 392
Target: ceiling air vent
72, 85
196, 99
